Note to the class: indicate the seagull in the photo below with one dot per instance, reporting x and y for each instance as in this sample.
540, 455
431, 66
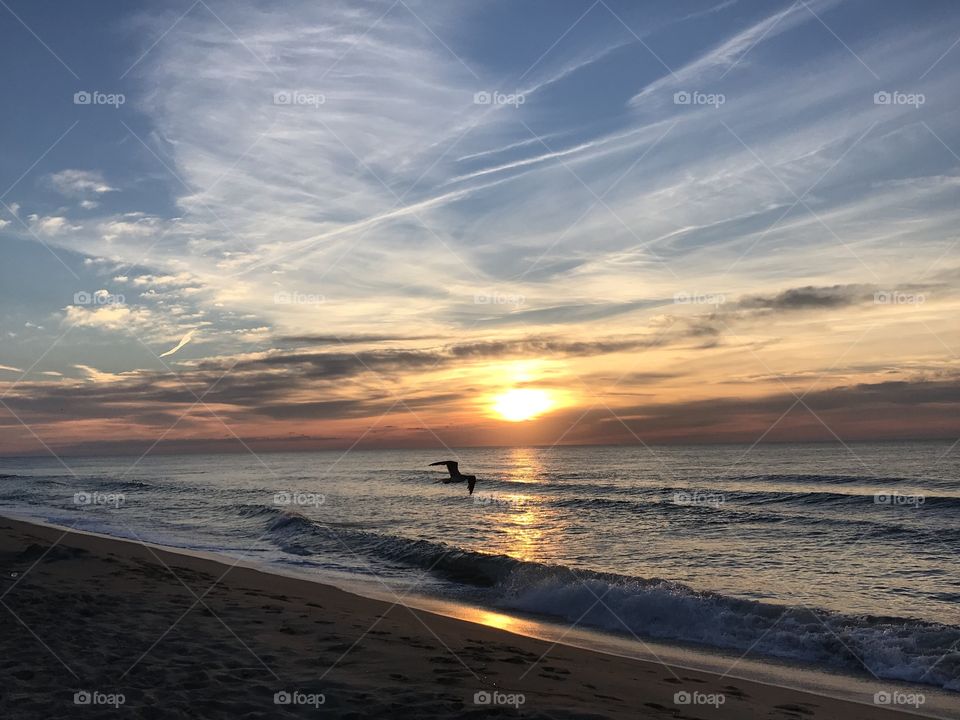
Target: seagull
455, 475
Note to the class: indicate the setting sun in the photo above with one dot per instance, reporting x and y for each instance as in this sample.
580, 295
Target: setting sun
522, 404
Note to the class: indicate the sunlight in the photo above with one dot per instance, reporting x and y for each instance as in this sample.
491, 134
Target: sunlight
522, 404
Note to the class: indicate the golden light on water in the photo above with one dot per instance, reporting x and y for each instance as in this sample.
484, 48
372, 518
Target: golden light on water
522, 404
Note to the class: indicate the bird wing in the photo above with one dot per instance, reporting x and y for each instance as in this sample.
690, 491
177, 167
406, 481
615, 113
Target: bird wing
470, 483
452, 466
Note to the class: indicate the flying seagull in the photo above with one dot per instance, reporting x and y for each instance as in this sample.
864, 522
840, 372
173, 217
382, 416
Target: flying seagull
455, 475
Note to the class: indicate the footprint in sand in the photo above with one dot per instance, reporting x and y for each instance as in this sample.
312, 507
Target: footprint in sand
796, 709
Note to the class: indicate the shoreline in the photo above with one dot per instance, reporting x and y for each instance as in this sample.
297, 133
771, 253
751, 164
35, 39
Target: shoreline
439, 662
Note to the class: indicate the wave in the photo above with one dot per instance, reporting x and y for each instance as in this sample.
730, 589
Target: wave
826, 479
889, 647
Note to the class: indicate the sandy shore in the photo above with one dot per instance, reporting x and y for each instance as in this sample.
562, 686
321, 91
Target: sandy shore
142, 632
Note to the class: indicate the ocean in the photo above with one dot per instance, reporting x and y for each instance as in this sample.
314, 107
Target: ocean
843, 557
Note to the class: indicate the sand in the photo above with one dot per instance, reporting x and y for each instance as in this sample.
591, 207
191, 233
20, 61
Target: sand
98, 627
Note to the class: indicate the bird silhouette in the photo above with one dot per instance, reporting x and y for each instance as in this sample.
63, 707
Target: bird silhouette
453, 467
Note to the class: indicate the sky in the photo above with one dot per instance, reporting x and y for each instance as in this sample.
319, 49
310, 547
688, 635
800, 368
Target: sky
233, 225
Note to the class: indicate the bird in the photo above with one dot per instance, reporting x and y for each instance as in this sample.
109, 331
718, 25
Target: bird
455, 475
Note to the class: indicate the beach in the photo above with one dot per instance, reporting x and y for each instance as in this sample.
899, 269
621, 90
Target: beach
97, 625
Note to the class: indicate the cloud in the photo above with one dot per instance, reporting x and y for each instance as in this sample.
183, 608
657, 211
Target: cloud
50, 224
183, 341
106, 317
129, 228
894, 409
98, 376
732, 50
810, 298
351, 339
162, 280
80, 182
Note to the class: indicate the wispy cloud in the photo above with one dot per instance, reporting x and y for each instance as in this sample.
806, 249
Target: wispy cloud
183, 341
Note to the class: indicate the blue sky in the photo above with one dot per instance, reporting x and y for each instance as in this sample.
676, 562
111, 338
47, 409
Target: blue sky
420, 179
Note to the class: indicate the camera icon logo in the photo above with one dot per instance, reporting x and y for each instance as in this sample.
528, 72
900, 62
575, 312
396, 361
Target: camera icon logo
882, 98
882, 698
482, 98
681, 698
82, 298
482, 697
82, 97
282, 698
82, 698
681, 98
282, 498
282, 97
82, 498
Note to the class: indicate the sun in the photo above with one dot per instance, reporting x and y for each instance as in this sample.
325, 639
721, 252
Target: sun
522, 404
